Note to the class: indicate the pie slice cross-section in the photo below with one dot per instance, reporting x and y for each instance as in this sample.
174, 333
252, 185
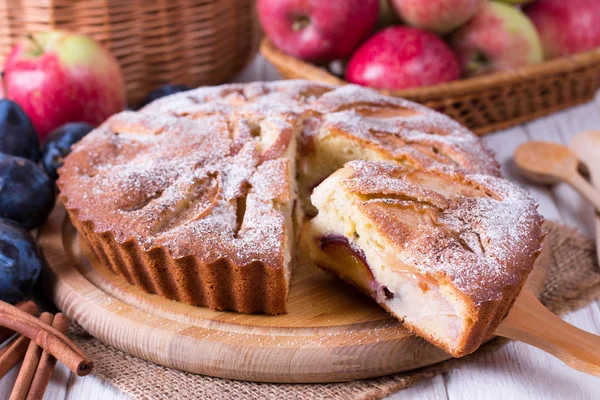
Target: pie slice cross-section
445, 253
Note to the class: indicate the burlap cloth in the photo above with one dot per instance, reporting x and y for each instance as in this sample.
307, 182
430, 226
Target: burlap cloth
573, 281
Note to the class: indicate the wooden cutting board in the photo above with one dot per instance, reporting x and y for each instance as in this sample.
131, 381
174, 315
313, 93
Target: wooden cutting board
331, 333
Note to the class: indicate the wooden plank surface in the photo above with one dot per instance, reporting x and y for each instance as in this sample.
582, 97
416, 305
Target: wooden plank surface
514, 371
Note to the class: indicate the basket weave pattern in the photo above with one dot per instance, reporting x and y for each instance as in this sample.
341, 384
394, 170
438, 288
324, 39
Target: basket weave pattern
486, 103
196, 42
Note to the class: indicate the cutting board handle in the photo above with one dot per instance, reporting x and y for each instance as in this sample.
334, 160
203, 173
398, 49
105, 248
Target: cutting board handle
532, 323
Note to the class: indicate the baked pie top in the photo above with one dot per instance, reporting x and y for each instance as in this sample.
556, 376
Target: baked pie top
213, 163
410, 132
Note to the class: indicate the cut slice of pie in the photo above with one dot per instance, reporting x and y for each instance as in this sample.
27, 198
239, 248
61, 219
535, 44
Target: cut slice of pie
445, 253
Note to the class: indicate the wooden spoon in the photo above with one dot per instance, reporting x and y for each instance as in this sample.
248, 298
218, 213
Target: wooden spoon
530, 322
550, 163
587, 147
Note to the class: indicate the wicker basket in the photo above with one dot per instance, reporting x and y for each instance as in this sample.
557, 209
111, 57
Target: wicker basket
195, 42
486, 103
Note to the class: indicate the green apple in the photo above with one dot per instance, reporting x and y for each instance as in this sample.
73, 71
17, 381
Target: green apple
499, 37
438, 16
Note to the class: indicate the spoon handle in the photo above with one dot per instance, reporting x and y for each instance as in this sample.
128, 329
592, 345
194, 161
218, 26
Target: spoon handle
582, 186
597, 217
532, 323
595, 178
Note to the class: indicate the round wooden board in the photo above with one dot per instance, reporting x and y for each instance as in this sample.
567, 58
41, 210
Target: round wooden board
330, 333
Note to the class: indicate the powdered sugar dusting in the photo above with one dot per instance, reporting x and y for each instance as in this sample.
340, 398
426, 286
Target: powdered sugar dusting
207, 172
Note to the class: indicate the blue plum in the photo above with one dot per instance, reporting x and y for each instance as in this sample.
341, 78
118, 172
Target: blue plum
58, 145
17, 134
26, 192
162, 91
20, 261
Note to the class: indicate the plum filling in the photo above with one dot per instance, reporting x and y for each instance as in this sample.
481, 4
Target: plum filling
388, 295
356, 268
334, 242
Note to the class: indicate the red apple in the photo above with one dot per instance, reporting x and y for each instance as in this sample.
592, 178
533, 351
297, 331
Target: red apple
318, 30
59, 77
566, 27
499, 37
402, 57
439, 16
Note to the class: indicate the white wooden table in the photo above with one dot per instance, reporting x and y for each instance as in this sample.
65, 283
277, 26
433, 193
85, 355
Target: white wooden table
516, 371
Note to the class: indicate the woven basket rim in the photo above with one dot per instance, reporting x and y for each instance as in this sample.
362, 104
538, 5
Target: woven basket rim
462, 87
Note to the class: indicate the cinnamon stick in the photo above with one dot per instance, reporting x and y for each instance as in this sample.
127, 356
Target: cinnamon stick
12, 353
44, 370
30, 364
47, 337
29, 307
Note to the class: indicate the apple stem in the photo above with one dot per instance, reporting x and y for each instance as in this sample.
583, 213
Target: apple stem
4, 86
37, 44
300, 23
479, 63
